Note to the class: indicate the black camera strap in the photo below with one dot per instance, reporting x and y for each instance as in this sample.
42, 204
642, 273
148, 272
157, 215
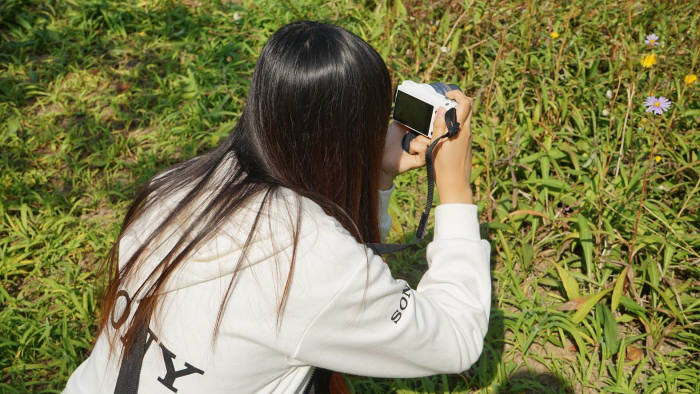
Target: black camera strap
452, 131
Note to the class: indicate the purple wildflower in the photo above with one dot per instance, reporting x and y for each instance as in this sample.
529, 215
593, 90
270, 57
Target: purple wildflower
652, 39
657, 105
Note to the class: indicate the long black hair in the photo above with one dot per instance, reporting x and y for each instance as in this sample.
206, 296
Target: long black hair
314, 122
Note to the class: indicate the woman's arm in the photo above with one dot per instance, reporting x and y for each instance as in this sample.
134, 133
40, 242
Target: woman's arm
378, 326
384, 218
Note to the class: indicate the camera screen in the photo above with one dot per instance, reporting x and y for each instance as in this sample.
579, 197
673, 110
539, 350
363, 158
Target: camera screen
412, 112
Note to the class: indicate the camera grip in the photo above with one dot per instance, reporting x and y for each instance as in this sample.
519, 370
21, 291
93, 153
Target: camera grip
442, 88
451, 122
406, 141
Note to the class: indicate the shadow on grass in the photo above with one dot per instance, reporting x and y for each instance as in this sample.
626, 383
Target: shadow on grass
526, 382
484, 374
485, 370
62, 157
410, 265
43, 47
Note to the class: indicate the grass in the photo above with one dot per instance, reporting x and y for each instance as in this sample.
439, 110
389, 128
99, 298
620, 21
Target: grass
590, 203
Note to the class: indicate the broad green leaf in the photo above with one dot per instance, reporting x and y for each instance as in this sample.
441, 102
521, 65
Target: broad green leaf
617, 291
527, 253
456, 43
531, 158
586, 239
578, 335
636, 178
669, 300
13, 125
578, 119
564, 105
668, 255
631, 306
536, 113
549, 182
692, 112
652, 272
609, 328
625, 318
399, 8
544, 167
569, 283
556, 154
587, 305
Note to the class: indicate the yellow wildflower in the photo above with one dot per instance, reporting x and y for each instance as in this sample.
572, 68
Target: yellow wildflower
649, 60
657, 158
690, 79
554, 35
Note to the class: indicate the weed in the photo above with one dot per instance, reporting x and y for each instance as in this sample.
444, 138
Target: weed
590, 203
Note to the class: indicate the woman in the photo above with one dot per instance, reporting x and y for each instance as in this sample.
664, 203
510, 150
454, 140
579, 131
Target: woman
242, 269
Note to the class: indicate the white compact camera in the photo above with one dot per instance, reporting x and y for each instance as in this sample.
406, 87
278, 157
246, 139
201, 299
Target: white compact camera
416, 104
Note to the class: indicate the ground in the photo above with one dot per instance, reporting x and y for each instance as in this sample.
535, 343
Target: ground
589, 201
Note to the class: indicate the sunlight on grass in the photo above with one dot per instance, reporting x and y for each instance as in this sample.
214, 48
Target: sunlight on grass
590, 200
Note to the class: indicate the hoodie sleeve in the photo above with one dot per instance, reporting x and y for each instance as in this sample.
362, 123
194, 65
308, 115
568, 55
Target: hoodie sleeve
378, 326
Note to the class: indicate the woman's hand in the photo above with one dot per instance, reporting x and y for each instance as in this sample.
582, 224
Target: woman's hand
396, 160
453, 156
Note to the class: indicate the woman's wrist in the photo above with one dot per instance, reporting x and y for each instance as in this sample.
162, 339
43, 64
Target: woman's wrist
455, 193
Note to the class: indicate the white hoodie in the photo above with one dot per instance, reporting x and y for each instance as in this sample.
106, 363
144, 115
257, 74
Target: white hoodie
344, 310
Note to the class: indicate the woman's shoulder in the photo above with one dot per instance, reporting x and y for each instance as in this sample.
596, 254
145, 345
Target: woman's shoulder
305, 219
283, 223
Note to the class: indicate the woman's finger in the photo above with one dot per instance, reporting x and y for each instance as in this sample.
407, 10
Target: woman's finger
464, 104
423, 140
410, 162
457, 96
439, 127
419, 145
